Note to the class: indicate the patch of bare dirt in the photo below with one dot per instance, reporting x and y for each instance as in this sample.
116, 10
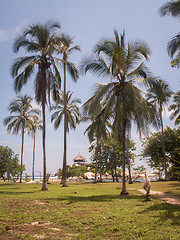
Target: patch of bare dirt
37, 231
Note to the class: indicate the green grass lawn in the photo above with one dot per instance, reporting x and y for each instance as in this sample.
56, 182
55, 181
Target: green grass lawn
86, 211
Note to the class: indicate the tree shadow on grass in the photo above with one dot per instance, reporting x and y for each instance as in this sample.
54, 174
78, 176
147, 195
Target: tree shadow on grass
174, 185
165, 212
97, 198
12, 190
15, 193
6, 184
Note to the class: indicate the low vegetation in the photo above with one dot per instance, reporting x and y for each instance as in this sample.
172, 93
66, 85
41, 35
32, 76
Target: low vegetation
86, 211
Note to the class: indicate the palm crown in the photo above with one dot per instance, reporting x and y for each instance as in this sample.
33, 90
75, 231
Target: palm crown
24, 113
73, 112
41, 41
126, 66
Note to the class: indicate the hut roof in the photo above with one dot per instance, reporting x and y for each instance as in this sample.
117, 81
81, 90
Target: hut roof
79, 158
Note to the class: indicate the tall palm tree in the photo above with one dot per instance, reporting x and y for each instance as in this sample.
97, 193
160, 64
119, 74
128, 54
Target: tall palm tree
159, 94
173, 47
19, 122
121, 99
35, 125
66, 49
71, 108
176, 108
41, 41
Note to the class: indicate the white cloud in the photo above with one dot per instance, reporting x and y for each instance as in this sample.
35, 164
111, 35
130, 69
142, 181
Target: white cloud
8, 34
3, 35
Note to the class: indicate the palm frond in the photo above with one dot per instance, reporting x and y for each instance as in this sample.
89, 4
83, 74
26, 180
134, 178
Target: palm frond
20, 62
170, 8
97, 66
173, 45
106, 47
72, 70
140, 49
24, 42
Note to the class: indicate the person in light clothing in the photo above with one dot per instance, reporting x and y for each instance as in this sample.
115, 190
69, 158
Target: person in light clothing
147, 185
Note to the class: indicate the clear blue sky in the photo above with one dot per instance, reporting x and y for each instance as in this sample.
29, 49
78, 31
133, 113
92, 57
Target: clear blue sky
89, 22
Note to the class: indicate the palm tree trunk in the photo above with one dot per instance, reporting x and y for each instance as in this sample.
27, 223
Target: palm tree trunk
33, 157
129, 165
112, 174
124, 190
96, 166
115, 172
44, 186
100, 166
64, 171
22, 150
163, 145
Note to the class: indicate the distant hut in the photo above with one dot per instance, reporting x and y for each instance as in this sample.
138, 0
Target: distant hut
79, 160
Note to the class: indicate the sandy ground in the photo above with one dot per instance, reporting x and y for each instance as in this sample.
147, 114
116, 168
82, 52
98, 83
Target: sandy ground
167, 197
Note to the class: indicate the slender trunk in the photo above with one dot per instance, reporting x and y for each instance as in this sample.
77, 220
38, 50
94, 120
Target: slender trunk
97, 148
100, 165
129, 165
44, 185
22, 150
124, 190
163, 145
115, 172
100, 171
112, 174
64, 171
33, 156
95, 177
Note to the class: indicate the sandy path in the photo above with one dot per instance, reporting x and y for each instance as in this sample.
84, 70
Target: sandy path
169, 198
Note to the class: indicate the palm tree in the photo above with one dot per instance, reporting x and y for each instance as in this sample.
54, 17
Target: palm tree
70, 106
66, 49
121, 99
19, 122
35, 125
41, 42
176, 108
173, 47
160, 94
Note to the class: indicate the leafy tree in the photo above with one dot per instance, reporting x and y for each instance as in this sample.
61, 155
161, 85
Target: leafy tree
9, 163
153, 151
41, 41
73, 171
35, 125
120, 99
97, 133
173, 47
176, 108
160, 94
73, 118
21, 121
130, 146
139, 170
110, 156
76, 171
66, 49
